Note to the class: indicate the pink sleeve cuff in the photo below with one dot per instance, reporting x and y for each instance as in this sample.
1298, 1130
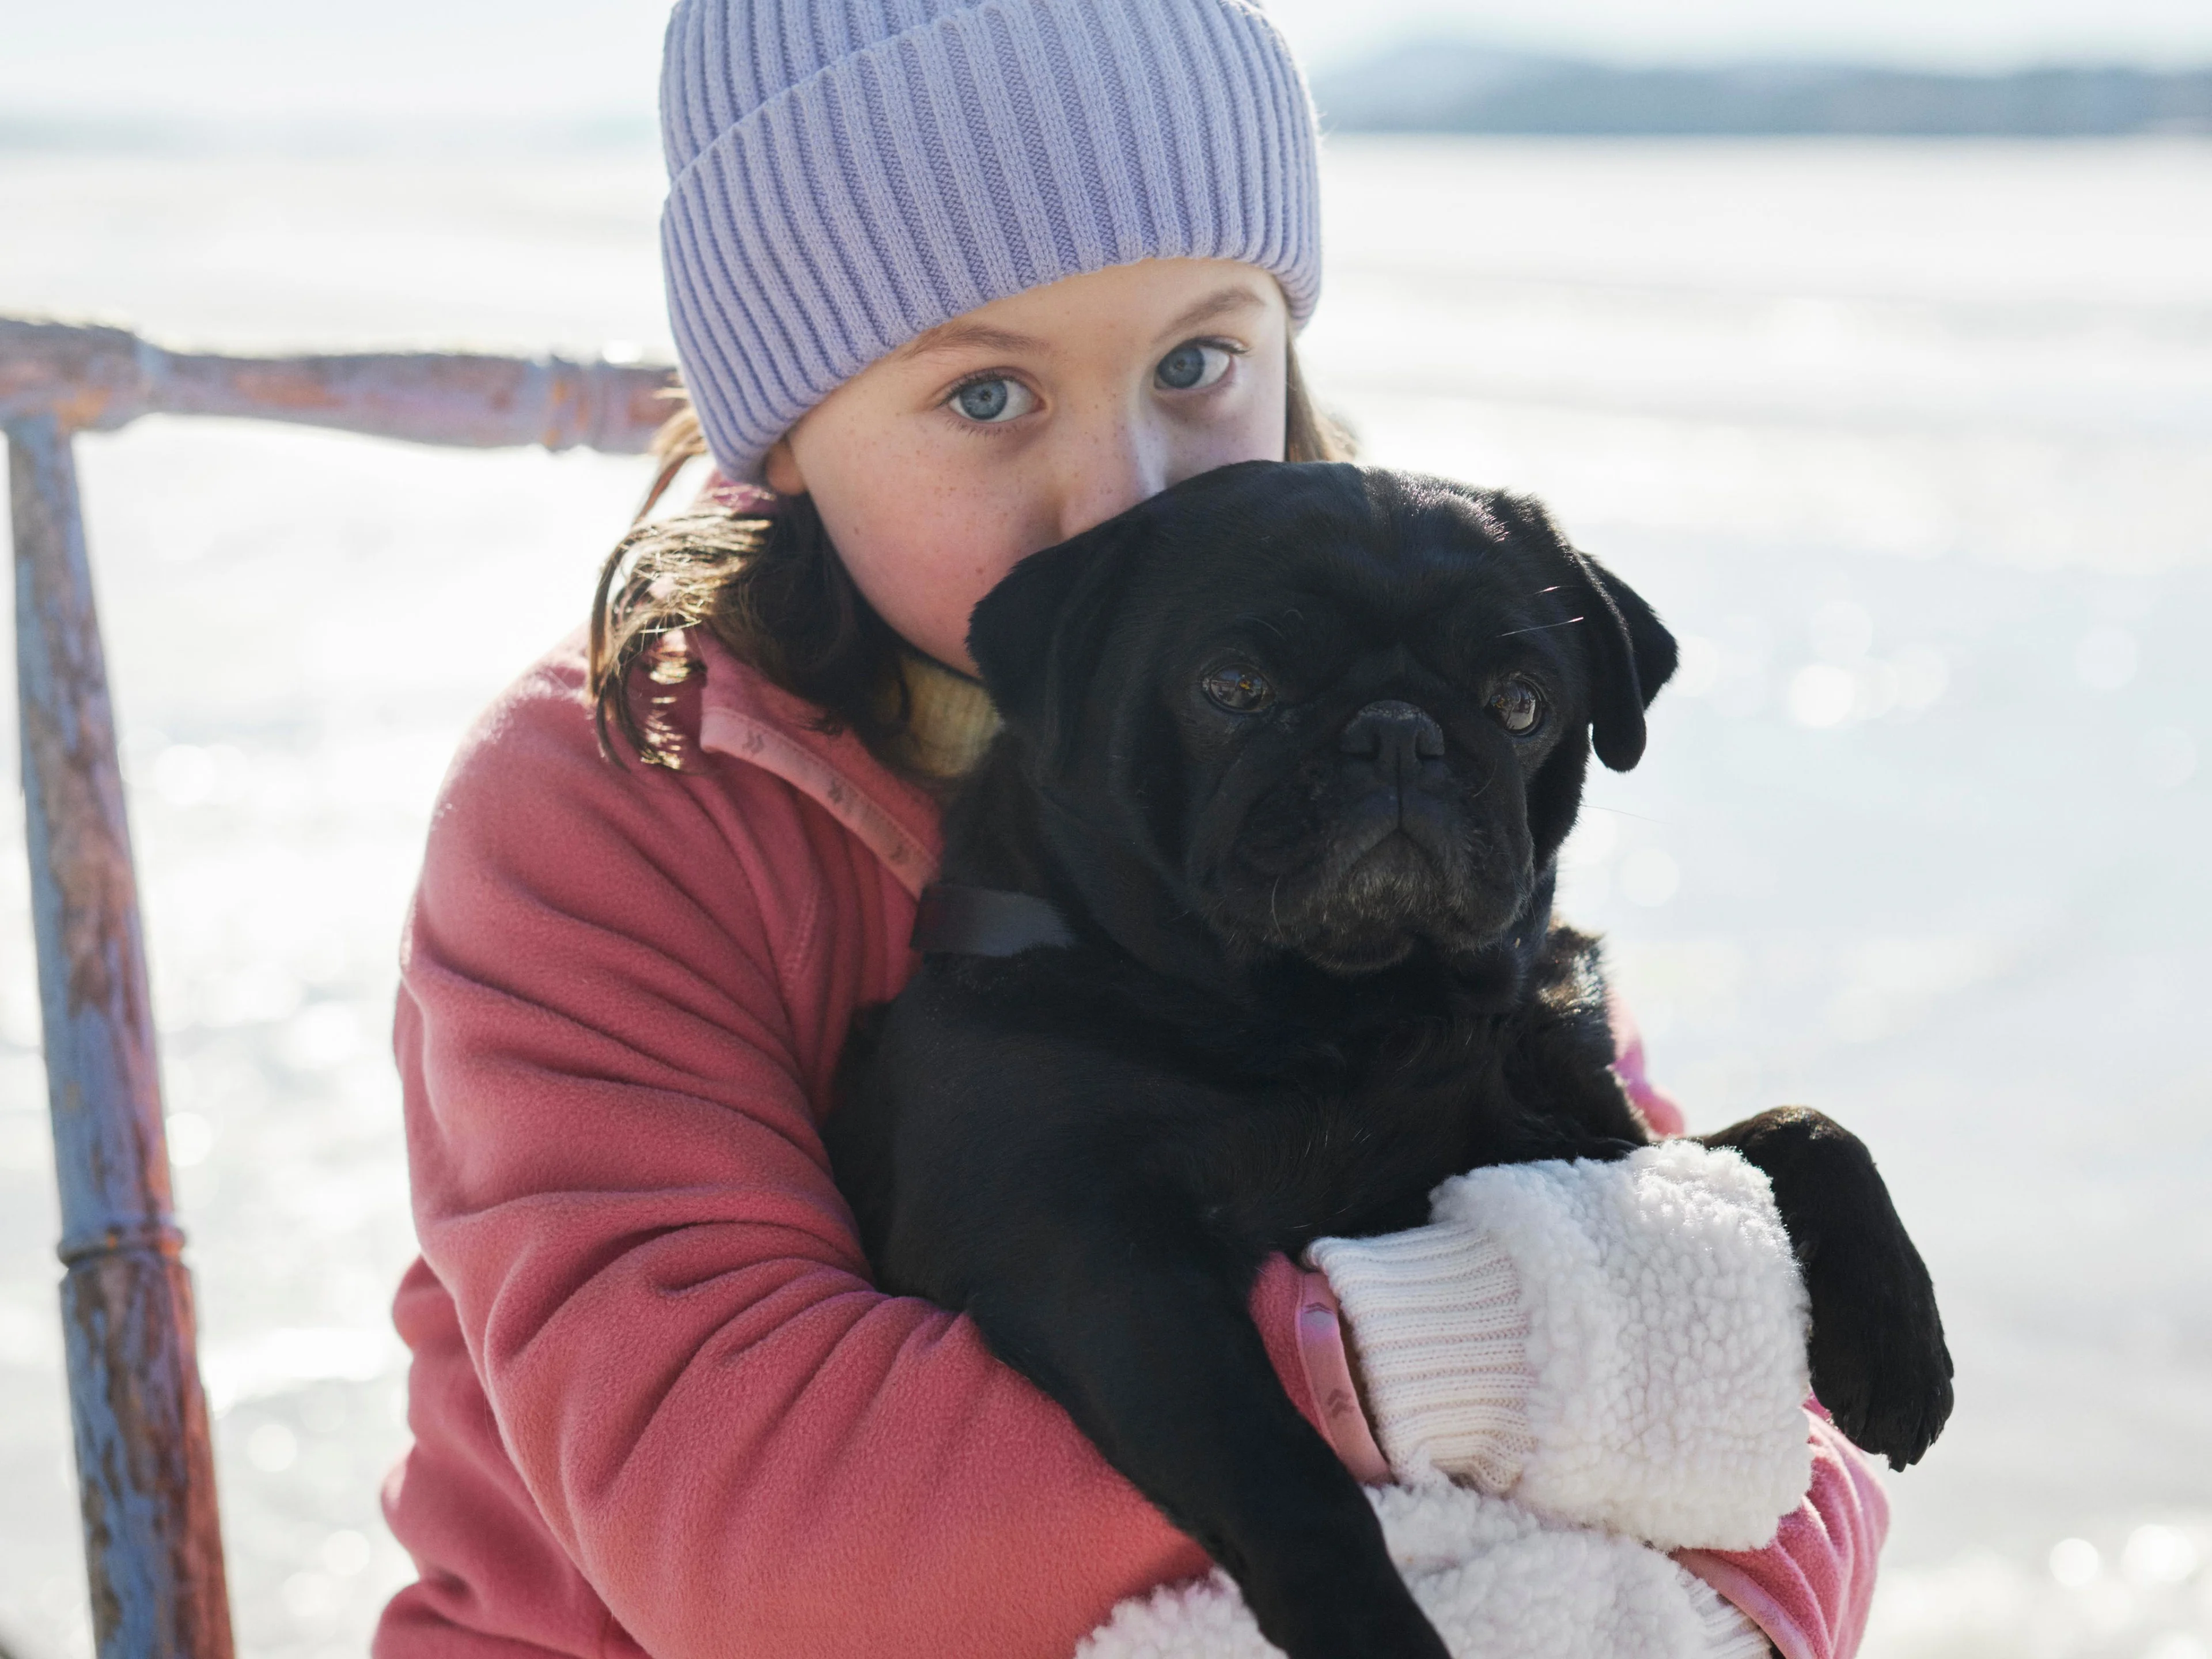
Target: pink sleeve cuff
1810, 1589
1296, 1313
1328, 1374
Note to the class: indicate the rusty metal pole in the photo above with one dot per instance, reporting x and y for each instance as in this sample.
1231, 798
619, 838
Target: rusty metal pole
145, 1470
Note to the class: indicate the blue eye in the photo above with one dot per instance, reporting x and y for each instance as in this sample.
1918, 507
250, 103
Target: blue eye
1191, 367
991, 401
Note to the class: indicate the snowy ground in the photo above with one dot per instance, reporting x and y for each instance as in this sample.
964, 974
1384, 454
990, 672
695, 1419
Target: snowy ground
1912, 443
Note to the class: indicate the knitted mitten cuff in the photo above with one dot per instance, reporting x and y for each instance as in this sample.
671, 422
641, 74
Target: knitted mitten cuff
1618, 1345
1434, 1318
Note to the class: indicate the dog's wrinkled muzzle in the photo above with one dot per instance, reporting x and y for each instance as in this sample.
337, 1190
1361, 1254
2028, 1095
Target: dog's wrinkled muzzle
1394, 754
1395, 735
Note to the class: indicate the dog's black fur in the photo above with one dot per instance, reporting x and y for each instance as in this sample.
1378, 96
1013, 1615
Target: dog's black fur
1257, 756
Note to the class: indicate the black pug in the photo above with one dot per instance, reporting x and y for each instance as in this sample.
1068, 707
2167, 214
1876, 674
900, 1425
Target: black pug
1244, 937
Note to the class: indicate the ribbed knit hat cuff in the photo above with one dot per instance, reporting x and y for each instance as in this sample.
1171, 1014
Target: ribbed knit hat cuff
992, 148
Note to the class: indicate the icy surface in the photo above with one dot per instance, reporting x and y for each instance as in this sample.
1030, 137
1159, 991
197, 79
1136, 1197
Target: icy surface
1911, 443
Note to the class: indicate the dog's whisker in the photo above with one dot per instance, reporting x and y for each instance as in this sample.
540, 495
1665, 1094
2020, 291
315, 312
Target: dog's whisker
1250, 620
1539, 628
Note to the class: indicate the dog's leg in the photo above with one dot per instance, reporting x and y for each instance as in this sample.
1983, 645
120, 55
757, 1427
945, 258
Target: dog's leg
1133, 1316
1878, 1360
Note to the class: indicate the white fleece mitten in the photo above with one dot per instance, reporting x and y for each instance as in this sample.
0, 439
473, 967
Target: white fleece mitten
1495, 1582
1616, 1345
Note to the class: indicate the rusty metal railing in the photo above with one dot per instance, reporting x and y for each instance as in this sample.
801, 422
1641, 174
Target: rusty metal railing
145, 1472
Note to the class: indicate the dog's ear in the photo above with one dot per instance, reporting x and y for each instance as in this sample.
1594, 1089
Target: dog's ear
1631, 649
1636, 656
1037, 637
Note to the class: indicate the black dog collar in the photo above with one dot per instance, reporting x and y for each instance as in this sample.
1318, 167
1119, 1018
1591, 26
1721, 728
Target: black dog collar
984, 921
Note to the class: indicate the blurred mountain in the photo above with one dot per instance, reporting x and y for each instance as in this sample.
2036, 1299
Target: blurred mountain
1455, 85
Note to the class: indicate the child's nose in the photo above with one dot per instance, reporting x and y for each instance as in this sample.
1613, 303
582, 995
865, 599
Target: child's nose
1121, 464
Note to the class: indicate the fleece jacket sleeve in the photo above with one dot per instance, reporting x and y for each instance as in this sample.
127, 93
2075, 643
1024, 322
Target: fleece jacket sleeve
614, 1036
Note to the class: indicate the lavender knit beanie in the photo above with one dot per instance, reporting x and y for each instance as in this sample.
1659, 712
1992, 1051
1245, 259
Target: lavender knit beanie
844, 175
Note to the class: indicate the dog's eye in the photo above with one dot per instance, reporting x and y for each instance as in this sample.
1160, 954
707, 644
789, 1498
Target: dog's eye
1240, 690
1519, 707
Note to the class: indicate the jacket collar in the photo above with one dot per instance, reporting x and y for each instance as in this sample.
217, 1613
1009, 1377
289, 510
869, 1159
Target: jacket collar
743, 715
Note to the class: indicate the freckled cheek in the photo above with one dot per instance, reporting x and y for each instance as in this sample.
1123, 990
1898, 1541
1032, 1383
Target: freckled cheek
1253, 432
967, 565
925, 570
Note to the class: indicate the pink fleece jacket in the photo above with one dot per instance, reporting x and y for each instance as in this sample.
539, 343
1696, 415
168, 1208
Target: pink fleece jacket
656, 1406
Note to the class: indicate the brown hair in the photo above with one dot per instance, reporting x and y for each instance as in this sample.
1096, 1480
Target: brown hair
773, 590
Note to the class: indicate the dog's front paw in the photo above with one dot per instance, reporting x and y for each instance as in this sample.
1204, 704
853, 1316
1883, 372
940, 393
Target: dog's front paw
1878, 1360
1880, 1363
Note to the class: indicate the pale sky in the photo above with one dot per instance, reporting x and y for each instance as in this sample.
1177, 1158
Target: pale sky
438, 58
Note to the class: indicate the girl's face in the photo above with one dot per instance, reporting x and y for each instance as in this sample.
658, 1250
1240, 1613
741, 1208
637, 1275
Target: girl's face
1017, 425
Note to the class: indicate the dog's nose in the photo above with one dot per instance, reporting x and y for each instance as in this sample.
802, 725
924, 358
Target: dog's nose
1395, 734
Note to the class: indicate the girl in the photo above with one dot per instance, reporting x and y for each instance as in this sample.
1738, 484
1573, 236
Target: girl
951, 279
